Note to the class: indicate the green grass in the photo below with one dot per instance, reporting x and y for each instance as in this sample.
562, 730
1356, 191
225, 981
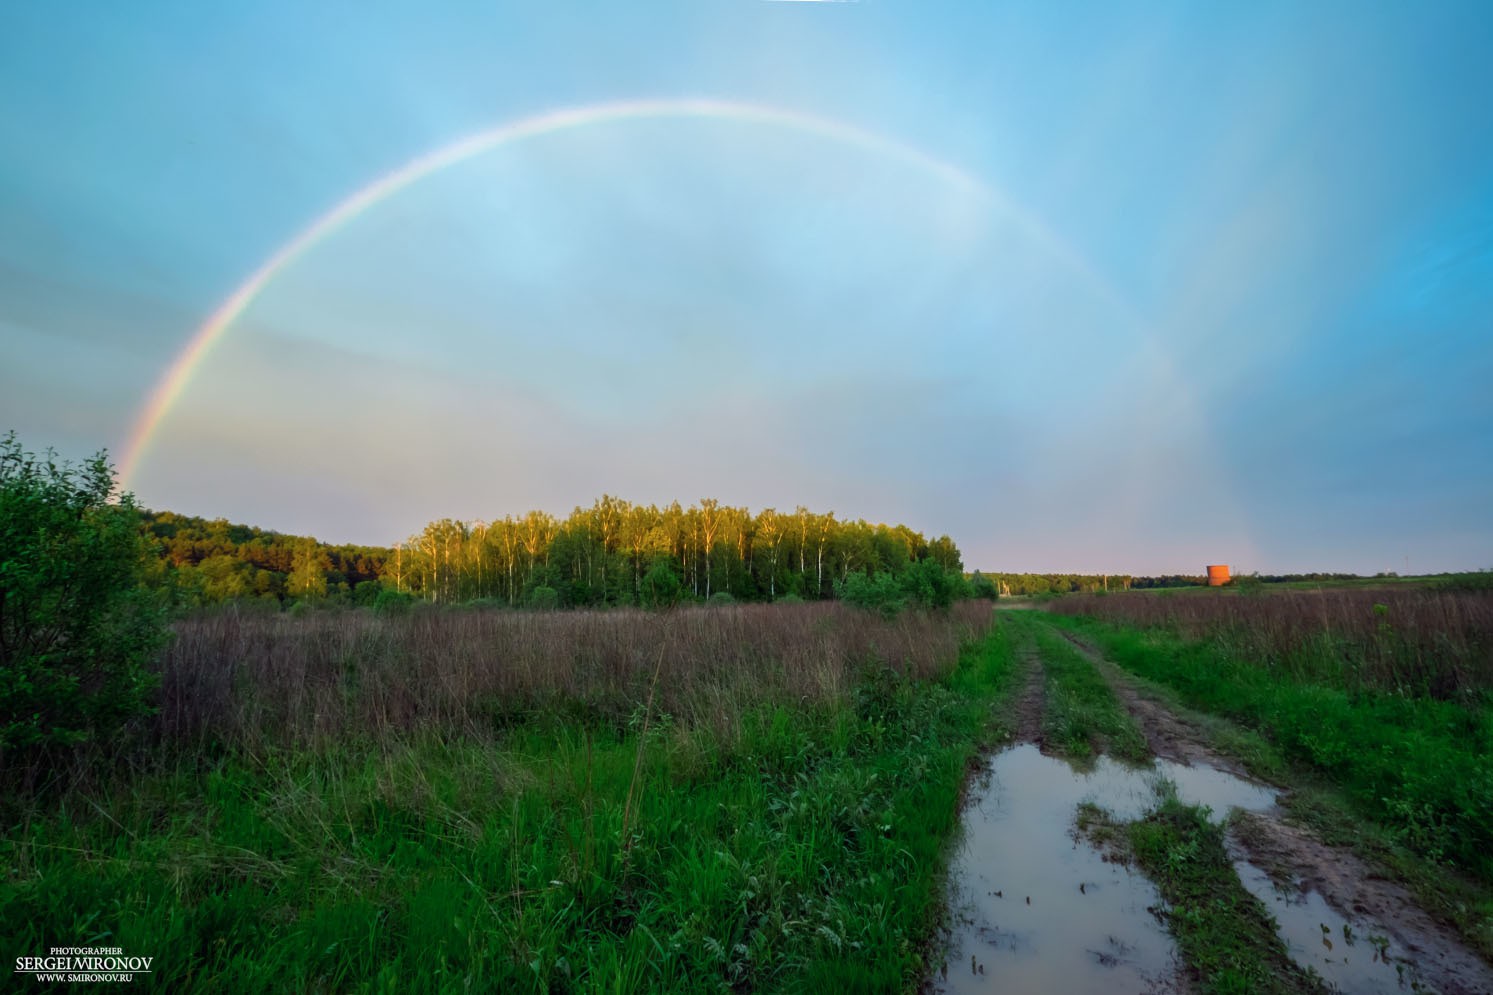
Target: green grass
1223, 931
1081, 716
1407, 781
1422, 766
806, 854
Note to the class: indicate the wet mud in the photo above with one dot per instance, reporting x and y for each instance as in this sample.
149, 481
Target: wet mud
1038, 909
1167, 734
1309, 885
1318, 938
1298, 868
1033, 697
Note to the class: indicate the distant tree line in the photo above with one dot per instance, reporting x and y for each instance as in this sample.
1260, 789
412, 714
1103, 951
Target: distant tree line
204, 561
618, 553
1309, 577
1029, 585
612, 553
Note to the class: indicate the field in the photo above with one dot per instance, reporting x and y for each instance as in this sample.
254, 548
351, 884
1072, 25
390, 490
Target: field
738, 797
770, 798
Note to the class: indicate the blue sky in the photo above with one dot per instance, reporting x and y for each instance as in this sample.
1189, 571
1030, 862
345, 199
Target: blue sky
1229, 297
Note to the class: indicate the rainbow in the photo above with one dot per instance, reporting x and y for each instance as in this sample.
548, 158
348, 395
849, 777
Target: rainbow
168, 389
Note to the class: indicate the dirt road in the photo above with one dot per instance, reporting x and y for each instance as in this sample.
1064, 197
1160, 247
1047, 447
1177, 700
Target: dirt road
1297, 861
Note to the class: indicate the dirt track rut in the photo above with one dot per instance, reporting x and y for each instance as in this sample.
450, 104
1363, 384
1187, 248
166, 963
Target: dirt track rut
1030, 705
1291, 853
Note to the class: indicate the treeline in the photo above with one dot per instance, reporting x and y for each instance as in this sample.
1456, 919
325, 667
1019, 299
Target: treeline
1309, 577
612, 553
201, 561
618, 553
1029, 585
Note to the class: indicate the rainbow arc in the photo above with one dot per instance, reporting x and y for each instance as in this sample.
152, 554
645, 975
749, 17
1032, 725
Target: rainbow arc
173, 382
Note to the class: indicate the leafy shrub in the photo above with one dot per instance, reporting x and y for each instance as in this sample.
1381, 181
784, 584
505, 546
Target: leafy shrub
392, 602
722, 598
487, 604
981, 586
928, 585
661, 586
77, 630
365, 593
544, 598
924, 584
873, 592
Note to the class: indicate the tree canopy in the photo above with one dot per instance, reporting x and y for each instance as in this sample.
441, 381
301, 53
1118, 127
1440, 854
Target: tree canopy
615, 552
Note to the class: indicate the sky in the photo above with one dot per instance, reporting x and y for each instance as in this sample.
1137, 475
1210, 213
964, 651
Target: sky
1124, 288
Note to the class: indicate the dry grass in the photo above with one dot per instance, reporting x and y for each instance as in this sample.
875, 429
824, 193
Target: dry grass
253, 681
1438, 643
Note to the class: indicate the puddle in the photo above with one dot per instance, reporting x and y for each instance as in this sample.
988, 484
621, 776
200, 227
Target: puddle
1342, 953
1036, 910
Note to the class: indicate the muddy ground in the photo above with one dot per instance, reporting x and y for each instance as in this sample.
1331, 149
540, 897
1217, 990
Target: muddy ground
1294, 858
1029, 707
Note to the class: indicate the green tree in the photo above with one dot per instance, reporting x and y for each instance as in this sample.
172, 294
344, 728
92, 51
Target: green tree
77, 630
981, 586
661, 586
873, 592
308, 581
544, 598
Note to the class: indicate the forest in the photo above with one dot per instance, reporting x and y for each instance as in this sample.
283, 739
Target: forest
612, 553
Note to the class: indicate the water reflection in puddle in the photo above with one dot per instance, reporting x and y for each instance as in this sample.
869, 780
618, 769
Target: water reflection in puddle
1345, 956
1036, 910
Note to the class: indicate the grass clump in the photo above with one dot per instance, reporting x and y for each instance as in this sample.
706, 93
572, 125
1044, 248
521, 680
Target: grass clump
1081, 716
1225, 935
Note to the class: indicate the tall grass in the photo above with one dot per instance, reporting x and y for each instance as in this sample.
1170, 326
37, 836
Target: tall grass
1419, 766
1437, 643
487, 801
249, 681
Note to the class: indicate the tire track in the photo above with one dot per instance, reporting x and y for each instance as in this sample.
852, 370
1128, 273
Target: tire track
1168, 735
1292, 854
1033, 701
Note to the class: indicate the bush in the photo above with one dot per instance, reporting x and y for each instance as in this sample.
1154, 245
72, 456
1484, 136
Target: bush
544, 598
77, 629
392, 602
661, 585
929, 585
722, 598
874, 592
924, 584
366, 592
486, 604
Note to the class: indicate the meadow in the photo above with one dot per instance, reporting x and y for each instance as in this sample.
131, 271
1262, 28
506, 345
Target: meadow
1424, 640
722, 798
715, 796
